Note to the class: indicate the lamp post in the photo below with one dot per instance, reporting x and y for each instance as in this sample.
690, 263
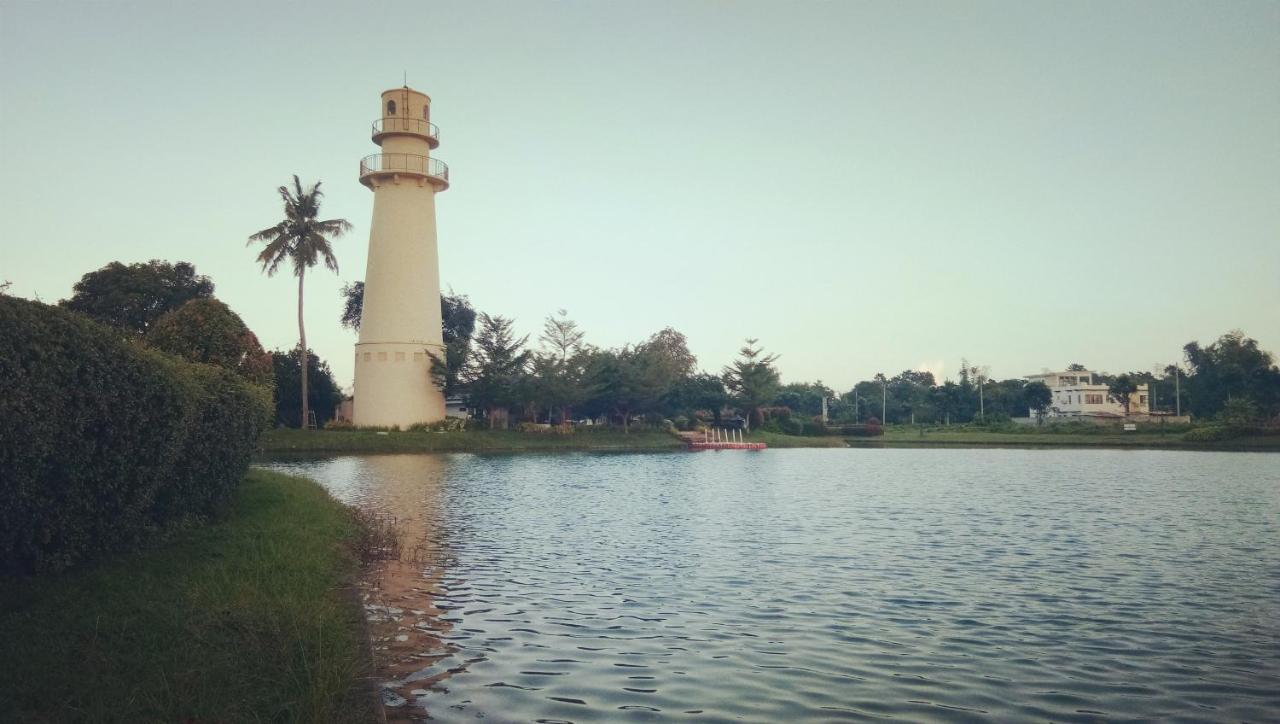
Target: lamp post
982, 414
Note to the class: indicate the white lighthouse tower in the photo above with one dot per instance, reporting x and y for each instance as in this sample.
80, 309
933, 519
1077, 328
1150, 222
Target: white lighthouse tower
400, 323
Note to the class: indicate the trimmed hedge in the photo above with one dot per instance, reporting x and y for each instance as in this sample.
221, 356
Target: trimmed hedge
104, 443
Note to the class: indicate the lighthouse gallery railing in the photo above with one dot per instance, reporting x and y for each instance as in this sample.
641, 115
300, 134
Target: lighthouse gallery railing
406, 125
406, 162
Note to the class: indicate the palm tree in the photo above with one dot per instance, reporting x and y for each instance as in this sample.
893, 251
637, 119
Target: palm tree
304, 240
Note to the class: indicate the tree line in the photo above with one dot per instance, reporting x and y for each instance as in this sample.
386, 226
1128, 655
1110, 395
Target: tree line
560, 376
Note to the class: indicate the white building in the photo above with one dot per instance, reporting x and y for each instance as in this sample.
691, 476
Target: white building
1076, 395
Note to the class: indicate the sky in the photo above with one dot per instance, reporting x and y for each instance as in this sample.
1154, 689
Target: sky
864, 187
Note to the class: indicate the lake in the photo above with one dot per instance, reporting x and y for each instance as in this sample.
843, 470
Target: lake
821, 585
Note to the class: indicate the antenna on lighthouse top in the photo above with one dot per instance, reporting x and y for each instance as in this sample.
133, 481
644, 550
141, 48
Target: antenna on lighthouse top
406, 79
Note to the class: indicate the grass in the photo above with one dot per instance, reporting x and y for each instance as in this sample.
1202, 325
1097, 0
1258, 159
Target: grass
774, 439
1093, 436
1080, 435
243, 620
348, 441
360, 441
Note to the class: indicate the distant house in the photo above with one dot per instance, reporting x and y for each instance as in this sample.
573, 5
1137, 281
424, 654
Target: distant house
455, 407
1076, 395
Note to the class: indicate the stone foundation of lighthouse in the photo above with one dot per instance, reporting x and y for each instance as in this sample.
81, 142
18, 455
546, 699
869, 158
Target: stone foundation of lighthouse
400, 324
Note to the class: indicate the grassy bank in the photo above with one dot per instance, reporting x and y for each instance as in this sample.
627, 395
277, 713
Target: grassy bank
246, 619
359, 442
355, 441
906, 436
773, 439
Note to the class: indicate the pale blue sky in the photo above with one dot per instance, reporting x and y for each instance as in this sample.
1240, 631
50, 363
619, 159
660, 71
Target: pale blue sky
863, 186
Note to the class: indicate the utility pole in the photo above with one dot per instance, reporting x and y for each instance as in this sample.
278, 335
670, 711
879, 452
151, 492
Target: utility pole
982, 415
884, 401
1177, 390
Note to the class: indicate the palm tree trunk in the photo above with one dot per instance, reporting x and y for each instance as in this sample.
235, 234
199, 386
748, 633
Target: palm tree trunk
302, 356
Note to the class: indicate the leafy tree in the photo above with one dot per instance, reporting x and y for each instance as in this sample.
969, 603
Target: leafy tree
1172, 386
459, 320
624, 381
352, 305
324, 393
559, 373
1121, 389
882, 384
133, 296
1232, 367
911, 394
803, 398
303, 240
561, 334
752, 380
695, 393
1238, 411
560, 383
1037, 397
500, 367
637, 378
669, 350
206, 330
1077, 367
949, 402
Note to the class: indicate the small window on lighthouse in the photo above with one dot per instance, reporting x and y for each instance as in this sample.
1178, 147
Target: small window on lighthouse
391, 108
426, 112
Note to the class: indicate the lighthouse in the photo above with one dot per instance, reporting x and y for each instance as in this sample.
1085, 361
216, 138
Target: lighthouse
400, 325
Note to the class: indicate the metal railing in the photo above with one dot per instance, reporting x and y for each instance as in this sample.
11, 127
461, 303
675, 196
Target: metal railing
416, 126
404, 162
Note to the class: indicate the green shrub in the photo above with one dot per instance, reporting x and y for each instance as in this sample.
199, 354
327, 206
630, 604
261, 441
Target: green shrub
871, 429
541, 429
1208, 434
449, 424
811, 428
1215, 433
323, 393
206, 330
104, 443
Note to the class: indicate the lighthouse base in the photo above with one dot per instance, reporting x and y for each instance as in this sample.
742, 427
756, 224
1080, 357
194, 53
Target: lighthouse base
393, 386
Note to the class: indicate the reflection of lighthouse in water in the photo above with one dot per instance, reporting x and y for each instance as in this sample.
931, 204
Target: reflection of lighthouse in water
400, 323
400, 593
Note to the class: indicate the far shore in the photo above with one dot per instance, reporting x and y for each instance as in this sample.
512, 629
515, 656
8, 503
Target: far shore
321, 442
289, 440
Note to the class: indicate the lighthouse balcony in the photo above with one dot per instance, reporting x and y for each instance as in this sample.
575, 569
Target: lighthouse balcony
383, 167
416, 127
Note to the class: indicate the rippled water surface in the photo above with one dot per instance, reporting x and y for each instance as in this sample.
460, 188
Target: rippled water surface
818, 585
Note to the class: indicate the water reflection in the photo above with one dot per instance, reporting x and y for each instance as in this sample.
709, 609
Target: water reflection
408, 628
818, 585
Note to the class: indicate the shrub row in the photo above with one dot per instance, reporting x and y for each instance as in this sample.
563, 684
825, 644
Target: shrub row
813, 428
1217, 433
104, 443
